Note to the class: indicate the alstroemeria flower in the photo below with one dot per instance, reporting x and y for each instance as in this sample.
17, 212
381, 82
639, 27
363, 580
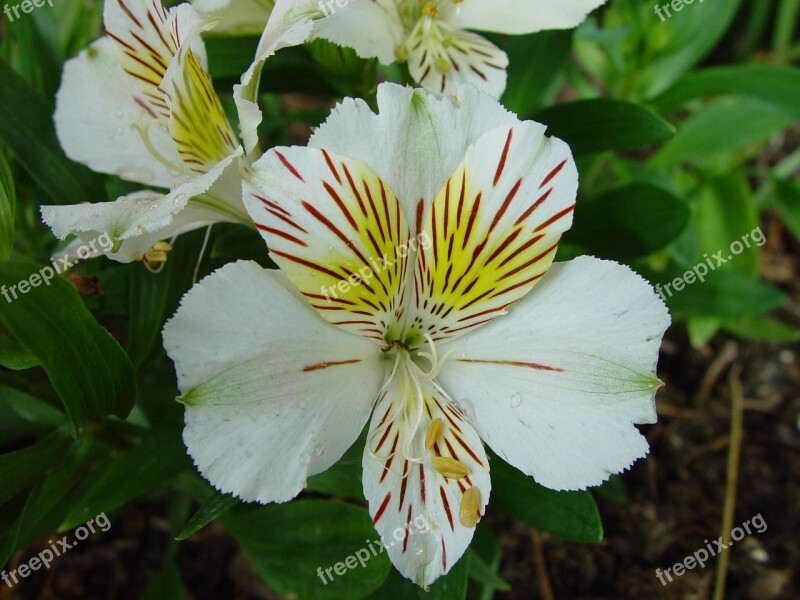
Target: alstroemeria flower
139, 103
432, 36
416, 286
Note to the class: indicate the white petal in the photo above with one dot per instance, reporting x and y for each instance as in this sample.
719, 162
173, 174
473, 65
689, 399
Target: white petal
555, 386
422, 137
274, 393
521, 16
337, 232
238, 17
197, 122
371, 28
441, 60
493, 230
95, 109
289, 24
137, 221
411, 496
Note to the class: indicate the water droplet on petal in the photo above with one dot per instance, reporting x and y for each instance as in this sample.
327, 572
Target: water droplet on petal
515, 400
119, 114
303, 404
305, 459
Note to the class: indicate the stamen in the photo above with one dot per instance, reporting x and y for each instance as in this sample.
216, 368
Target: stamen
434, 430
417, 418
433, 358
450, 467
470, 504
155, 258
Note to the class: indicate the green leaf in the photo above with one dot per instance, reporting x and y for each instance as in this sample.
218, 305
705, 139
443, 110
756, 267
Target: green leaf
774, 85
696, 30
726, 218
154, 297
612, 489
701, 330
156, 458
86, 366
720, 294
787, 195
54, 496
591, 126
341, 479
628, 223
484, 574
21, 469
570, 515
719, 130
26, 125
762, 330
210, 510
13, 356
33, 409
230, 56
535, 62
452, 586
291, 544
8, 207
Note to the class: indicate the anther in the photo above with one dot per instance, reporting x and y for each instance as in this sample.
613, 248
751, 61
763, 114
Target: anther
434, 430
450, 467
470, 503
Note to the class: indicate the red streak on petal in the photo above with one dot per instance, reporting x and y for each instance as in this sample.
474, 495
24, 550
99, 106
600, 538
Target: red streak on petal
326, 365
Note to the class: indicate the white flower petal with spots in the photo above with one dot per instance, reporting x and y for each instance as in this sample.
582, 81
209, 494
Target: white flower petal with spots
432, 35
419, 245
139, 103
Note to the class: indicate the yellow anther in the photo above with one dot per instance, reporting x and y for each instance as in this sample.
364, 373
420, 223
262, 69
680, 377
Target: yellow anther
157, 255
450, 467
430, 10
434, 430
442, 64
470, 504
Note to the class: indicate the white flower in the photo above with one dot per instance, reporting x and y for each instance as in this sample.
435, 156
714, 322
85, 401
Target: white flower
408, 243
432, 36
139, 103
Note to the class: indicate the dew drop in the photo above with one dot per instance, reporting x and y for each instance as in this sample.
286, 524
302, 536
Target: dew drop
119, 114
515, 400
319, 450
303, 404
305, 459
